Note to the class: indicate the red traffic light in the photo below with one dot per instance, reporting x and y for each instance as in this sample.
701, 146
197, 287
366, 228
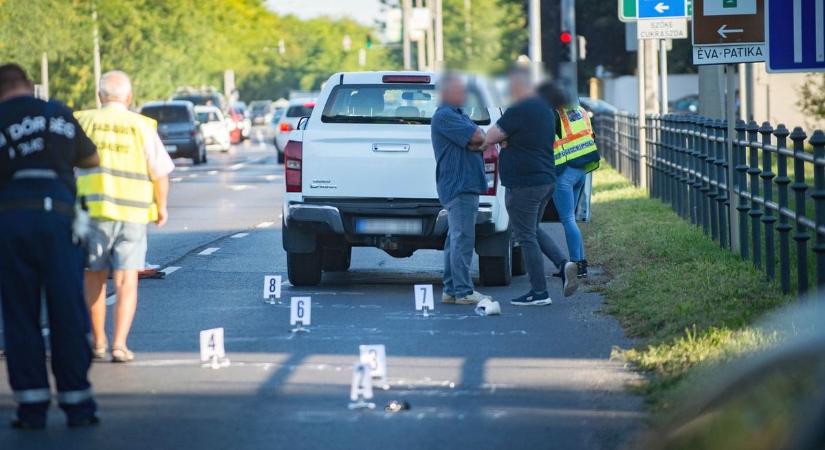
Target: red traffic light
566, 37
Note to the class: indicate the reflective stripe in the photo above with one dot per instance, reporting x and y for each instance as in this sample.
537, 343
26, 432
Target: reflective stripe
116, 173
74, 397
117, 201
33, 395
34, 173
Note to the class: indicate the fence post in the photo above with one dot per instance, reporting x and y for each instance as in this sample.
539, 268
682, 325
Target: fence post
767, 191
712, 185
784, 228
668, 156
722, 176
755, 212
703, 145
740, 187
684, 172
654, 139
799, 187
818, 142
690, 169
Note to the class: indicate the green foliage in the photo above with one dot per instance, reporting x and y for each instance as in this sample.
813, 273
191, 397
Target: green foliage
165, 44
812, 95
689, 301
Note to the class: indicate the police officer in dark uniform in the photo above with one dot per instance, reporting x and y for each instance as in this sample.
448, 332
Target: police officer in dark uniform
40, 144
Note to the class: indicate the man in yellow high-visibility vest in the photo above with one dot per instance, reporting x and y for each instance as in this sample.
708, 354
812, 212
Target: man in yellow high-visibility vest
123, 195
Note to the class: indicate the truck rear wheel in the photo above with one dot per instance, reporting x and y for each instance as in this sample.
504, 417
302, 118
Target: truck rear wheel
496, 270
304, 269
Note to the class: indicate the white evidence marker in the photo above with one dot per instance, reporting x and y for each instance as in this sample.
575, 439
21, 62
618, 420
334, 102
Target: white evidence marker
300, 314
424, 298
375, 356
213, 353
361, 389
272, 289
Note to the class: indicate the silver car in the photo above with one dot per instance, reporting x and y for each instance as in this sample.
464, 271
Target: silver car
289, 120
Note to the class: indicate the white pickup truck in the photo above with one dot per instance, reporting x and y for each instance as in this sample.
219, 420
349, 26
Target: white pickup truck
360, 172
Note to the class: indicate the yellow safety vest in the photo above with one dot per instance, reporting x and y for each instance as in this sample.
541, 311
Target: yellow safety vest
120, 189
576, 139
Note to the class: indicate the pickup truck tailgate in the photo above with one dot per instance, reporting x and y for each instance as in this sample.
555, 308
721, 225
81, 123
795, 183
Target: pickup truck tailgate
369, 161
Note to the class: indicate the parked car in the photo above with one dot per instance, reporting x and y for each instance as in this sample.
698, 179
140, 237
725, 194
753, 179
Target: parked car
688, 104
201, 98
214, 127
178, 129
289, 121
360, 172
260, 112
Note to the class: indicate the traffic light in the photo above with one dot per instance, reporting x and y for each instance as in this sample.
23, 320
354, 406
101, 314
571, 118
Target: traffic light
368, 44
566, 51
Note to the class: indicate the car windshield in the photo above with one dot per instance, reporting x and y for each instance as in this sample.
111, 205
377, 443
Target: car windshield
207, 116
299, 110
259, 108
167, 114
412, 104
199, 99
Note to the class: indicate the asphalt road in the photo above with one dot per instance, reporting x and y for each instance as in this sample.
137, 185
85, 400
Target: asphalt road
530, 378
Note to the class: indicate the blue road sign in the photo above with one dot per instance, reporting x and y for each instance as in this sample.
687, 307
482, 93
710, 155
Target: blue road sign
795, 35
658, 9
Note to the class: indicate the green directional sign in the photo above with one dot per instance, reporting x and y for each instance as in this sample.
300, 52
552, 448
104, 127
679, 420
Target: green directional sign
628, 12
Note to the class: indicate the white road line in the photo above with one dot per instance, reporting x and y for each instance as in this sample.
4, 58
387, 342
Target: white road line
820, 31
209, 251
170, 270
193, 175
239, 187
797, 31
176, 180
264, 225
239, 235
212, 172
237, 166
110, 300
272, 177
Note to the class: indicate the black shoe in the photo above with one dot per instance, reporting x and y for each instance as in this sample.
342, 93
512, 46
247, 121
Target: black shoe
86, 422
19, 424
532, 299
582, 268
569, 279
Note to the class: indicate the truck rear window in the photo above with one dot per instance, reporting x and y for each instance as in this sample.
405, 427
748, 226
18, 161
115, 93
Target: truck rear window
412, 104
167, 114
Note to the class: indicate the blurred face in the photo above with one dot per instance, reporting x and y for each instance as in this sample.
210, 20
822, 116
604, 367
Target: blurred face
454, 92
520, 86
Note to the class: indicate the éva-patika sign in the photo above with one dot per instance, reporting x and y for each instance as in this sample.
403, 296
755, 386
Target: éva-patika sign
728, 31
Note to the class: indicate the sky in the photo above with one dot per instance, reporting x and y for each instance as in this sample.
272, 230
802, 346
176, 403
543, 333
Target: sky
364, 11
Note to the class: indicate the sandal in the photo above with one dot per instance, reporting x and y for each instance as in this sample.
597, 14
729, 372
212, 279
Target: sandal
99, 352
122, 355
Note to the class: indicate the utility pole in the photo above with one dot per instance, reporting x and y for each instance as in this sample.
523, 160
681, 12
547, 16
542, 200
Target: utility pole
468, 28
439, 34
663, 95
749, 92
640, 74
651, 76
431, 36
96, 54
534, 19
568, 70
406, 11
44, 76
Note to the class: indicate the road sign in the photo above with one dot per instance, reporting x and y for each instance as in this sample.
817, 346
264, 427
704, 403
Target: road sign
627, 10
670, 28
795, 32
729, 31
660, 9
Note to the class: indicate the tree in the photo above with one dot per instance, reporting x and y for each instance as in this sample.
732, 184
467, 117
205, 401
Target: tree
483, 35
812, 95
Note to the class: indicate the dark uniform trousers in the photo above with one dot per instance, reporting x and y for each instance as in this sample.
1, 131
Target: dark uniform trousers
37, 256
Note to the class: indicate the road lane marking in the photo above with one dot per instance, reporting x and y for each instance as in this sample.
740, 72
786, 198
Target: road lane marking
176, 180
170, 270
212, 172
237, 166
272, 177
111, 300
193, 175
209, 251
239, 187
264, 225
239, 235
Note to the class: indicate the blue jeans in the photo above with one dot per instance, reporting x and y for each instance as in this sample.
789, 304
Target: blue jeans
459, 245
524, 207
568, 187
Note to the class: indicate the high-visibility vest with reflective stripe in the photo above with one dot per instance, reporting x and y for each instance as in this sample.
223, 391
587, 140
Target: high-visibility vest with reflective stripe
120, 189
576, 139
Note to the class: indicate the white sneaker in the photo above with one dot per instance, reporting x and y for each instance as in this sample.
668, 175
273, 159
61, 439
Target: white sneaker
447, 299
570, 278
472, 299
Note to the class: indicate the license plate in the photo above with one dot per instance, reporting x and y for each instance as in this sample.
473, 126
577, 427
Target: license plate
388, 226
171, 148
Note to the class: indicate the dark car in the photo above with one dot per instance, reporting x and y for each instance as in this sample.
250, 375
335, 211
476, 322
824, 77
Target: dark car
686, 105
201, 99
178, 129
260, 111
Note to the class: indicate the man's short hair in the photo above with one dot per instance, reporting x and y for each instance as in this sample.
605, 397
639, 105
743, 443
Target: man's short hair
12, 76
448, 78
521, 75
114, 85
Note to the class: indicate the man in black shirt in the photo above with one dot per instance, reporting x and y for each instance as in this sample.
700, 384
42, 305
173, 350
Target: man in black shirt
40, 144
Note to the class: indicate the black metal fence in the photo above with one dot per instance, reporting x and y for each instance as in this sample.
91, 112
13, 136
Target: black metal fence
778, 185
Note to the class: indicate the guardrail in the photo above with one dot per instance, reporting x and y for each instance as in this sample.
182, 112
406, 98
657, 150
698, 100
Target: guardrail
686, 161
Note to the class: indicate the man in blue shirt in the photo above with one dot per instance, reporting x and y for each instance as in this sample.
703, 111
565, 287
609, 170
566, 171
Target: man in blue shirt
528, 174
457, 143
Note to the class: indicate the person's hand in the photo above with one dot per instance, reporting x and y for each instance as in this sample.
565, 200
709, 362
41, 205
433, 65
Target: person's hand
163, 216
503, 144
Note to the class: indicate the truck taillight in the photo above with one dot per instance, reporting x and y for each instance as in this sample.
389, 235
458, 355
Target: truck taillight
285, 127
293, 163
491, 169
